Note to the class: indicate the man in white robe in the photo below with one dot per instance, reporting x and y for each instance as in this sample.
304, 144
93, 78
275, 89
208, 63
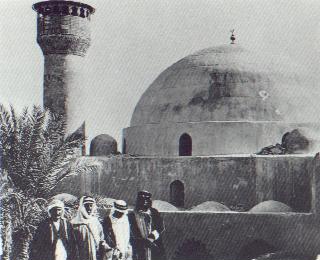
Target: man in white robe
116, 230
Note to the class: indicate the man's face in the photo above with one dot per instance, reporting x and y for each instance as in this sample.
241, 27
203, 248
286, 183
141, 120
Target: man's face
56, 213
88, 207
118, 214
144, 202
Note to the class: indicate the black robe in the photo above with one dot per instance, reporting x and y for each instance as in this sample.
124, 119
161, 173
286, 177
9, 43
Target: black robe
139, 244
109, 236
42, 247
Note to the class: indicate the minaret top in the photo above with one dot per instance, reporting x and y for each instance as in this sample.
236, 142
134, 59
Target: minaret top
63, 27
62, 7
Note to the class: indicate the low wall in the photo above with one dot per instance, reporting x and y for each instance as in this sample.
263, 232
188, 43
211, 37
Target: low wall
236, 181
224, 235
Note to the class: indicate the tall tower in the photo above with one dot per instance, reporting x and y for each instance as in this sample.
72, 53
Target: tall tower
63, 33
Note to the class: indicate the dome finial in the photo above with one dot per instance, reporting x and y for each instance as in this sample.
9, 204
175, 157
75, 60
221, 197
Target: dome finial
232, 38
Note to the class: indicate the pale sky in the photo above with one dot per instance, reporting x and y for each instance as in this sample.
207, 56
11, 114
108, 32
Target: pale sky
134, 41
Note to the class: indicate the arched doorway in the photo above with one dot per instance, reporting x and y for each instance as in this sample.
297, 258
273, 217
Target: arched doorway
177, 193
185, 145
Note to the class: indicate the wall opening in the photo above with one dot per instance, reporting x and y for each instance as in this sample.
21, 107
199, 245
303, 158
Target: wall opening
124, 146
74, 11
185, 145
177, 193
82, 13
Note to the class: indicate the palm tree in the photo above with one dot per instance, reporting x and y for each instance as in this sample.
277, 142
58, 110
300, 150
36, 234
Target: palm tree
36, 157
20, 215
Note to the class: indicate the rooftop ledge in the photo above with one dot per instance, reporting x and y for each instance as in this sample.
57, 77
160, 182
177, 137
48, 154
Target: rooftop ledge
229, 122
307, 155
237, 213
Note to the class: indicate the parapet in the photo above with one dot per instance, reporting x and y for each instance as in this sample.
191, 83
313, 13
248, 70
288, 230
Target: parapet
63, 27
63, 8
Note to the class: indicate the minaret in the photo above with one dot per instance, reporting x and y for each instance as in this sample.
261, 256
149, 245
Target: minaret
63, 34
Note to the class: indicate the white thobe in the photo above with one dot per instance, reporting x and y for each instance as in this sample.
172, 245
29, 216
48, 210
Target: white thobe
60, 252
121, 230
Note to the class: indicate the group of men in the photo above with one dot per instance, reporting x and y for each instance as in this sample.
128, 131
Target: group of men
122, 235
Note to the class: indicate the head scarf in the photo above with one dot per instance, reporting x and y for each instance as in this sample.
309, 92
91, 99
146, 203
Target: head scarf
144, 201
121, 206
82, 214
55, 203
90, 220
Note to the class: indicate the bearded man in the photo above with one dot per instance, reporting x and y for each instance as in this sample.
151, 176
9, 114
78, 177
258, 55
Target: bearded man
147, 228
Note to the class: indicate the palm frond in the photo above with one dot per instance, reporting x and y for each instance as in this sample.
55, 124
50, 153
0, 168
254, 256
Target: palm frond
36, 157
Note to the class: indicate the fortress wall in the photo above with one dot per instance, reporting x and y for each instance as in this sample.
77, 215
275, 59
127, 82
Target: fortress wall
238, 182
224, 235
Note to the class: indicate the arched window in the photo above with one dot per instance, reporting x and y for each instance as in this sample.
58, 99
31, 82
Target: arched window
185, 145
74, 11
82, 12
124, 146
177, 193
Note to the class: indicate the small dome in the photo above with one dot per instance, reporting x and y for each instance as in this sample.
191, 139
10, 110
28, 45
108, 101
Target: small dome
163, 205
210, 206
67, 198
270, 206
104, 205
103, 145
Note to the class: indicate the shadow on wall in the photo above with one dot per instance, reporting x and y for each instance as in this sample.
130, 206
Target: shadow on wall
192, 249
255, 249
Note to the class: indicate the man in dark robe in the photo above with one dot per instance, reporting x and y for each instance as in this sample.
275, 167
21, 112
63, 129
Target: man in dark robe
146, 229
54, 238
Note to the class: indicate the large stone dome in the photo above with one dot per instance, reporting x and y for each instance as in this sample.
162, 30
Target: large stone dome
221, 100
226, 83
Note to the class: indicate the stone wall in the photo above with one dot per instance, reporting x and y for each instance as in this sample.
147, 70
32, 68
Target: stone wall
293, 180
238, 182
225, 235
